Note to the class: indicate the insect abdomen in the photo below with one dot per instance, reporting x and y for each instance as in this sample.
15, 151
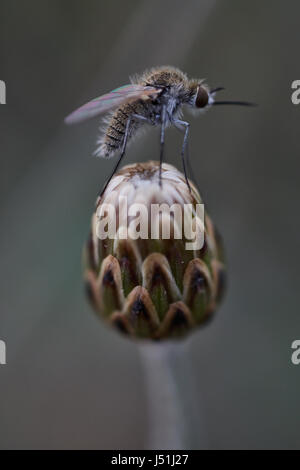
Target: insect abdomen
113, 137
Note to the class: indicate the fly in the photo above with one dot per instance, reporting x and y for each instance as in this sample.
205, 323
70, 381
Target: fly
156, 97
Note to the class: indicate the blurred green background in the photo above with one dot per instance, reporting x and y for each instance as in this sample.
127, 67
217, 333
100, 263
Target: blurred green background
70, 382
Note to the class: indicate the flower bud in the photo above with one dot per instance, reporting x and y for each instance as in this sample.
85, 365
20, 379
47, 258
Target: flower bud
153, 262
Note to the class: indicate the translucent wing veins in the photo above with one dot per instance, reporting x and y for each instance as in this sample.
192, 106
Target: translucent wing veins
112, 100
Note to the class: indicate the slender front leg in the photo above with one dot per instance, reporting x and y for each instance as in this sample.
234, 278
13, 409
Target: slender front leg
162, 136
190, 170
162, 141
179, 123
121, 156
139, 117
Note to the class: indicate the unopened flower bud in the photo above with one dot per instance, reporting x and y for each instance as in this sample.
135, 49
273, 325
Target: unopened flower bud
153, 262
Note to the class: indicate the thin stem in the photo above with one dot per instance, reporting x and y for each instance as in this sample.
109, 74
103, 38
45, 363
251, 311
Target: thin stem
165, 417
173, 411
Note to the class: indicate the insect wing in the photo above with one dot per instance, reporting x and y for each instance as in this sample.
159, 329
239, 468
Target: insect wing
110, 101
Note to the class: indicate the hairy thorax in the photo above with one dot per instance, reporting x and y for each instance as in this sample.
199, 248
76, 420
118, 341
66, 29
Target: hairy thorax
174, 92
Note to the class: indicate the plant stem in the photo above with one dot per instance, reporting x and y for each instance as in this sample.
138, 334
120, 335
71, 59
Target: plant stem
170, 396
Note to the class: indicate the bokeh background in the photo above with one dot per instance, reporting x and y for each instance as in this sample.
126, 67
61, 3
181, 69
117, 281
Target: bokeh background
70, 382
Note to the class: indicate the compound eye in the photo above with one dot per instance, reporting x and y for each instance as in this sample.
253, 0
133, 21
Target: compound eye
202, 98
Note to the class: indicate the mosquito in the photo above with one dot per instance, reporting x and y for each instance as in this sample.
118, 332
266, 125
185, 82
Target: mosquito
156, 97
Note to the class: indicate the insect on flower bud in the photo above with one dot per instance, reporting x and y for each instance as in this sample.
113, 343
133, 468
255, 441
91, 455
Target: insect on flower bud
153, 262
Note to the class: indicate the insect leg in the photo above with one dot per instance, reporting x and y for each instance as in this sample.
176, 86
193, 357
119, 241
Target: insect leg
139, 117
121, 156
162, 137
162, 141
178, 123
192, 173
